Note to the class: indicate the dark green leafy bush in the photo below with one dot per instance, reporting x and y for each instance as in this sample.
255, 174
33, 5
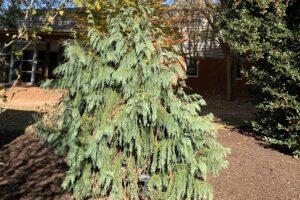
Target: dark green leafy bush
266, 32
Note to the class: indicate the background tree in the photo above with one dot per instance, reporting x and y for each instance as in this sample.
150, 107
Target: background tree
124, 116
21, 17
266, 33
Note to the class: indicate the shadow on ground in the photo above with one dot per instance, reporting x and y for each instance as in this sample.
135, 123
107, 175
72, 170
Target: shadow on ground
13, 123
236, 113
28, 169
237, 116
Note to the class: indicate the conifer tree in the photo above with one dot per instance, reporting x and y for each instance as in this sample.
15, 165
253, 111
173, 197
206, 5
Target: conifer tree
124, 116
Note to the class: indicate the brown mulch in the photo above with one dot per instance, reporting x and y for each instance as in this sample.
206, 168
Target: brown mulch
255, 172
29, 170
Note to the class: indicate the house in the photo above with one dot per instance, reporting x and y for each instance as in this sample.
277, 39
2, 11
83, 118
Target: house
207, 71
32, 61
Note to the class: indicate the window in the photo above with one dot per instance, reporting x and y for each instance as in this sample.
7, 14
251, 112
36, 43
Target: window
26, 65
192, 66
239, 67
36, 63
53, 63
40, 66
28, 55
4, 63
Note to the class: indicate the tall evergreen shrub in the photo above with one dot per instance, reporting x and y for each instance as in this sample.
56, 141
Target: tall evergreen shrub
123, 116
266, 33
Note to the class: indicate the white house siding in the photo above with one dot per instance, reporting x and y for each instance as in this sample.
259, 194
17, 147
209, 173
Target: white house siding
200, 42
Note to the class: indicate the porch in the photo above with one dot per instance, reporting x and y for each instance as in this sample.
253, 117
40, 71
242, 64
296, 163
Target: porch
29, 63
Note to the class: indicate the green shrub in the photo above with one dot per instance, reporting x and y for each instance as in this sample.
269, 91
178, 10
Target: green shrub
266, 33
123, 117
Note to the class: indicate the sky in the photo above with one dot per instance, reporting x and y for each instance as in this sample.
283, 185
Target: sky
168, 2
6, 3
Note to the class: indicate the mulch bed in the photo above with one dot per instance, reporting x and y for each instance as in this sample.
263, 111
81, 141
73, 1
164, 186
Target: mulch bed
255, 172
30, 170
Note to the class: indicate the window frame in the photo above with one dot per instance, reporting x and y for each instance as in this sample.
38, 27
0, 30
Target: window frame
187, 66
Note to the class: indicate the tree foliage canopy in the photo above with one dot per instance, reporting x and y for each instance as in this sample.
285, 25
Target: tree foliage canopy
124, 117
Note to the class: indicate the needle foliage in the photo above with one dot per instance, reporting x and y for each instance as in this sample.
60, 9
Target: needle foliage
123, 116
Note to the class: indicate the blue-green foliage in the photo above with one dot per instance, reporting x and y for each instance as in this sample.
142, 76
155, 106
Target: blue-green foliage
122, 117
266, 32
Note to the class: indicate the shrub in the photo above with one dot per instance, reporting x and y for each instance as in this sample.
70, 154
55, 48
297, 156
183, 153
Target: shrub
267, 34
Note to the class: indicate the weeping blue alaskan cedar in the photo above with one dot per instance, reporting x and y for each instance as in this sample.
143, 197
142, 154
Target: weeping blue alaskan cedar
124, 116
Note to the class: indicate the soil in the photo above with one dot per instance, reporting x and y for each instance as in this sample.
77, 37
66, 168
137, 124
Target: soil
255, 171
29, 170
31, 98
